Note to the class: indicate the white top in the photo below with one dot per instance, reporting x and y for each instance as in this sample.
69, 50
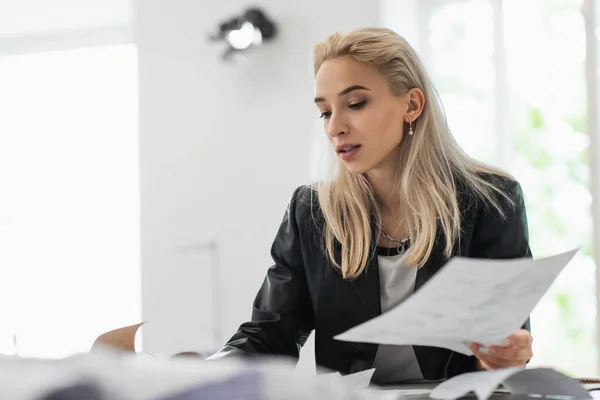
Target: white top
395, 364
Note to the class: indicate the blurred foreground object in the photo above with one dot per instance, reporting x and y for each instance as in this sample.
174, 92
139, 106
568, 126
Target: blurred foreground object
106, 374
122, 339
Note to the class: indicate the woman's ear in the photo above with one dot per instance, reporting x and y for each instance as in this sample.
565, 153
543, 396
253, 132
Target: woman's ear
415, 103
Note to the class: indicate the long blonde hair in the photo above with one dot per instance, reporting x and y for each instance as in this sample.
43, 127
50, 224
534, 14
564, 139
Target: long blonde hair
430, 165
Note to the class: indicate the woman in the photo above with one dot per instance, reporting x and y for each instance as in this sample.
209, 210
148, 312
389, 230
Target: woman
403, 199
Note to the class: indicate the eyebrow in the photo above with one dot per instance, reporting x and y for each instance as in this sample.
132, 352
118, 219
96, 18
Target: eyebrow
343, 92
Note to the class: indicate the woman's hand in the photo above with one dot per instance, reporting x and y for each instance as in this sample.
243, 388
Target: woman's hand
516, 354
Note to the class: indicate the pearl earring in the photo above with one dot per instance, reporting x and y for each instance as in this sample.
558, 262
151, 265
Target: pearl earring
410, 128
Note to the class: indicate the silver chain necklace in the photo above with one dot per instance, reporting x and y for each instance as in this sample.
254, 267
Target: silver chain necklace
400, 244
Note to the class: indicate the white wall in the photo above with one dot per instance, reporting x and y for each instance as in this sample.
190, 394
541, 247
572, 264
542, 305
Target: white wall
222, 145
37, 17
30, 26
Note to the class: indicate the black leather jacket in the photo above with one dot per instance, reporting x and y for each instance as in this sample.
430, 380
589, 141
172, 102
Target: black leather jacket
302, 292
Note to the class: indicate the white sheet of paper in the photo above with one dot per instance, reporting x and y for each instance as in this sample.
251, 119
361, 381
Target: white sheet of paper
539, 381
25, 379
358, 380
468, 300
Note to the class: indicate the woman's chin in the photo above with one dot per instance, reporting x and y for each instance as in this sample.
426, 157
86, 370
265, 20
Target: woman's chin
356, 168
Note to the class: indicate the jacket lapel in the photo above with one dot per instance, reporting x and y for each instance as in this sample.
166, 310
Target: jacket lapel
366, 286
432, 361
434, 263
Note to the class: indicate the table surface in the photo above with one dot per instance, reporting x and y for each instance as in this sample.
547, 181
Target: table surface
420, 391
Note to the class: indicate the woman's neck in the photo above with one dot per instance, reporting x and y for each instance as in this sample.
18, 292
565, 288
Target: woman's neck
383, 183
390, 206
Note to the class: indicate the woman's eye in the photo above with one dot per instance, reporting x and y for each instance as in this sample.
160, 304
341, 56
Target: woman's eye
353, 106
358, 106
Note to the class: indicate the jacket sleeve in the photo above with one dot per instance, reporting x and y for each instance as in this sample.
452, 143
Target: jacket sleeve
282, 315
497, 236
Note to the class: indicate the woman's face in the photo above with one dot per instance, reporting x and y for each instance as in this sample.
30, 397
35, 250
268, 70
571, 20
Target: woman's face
363, 120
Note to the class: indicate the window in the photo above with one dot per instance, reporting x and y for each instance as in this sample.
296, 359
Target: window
69, 262
511, 75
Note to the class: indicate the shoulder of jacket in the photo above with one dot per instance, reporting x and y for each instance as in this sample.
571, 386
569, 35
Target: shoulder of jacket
304, 199
508, 194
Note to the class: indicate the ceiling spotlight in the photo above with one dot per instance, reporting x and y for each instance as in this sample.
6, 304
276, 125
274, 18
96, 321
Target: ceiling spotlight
245, 31
241, 39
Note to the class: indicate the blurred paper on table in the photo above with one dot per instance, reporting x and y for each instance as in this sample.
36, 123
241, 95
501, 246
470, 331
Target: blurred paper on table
358, 380
468, 300
117, 375
246, 385
87, 391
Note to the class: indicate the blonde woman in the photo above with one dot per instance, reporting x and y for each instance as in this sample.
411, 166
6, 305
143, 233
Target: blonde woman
403, 198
